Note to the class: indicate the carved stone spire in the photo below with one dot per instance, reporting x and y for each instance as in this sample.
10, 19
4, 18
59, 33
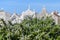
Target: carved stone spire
44, 10
29, 7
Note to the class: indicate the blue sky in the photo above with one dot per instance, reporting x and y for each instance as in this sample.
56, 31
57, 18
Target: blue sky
22, 5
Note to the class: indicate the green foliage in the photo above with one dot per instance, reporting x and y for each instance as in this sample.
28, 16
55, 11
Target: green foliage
30, 29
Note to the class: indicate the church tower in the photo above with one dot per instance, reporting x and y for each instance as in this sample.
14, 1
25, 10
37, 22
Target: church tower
44, 12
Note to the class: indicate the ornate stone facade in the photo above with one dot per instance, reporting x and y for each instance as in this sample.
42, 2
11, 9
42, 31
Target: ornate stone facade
14, 18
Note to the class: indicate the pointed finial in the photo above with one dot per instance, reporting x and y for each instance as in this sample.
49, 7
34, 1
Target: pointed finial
44, 7
44, 10
29, 6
